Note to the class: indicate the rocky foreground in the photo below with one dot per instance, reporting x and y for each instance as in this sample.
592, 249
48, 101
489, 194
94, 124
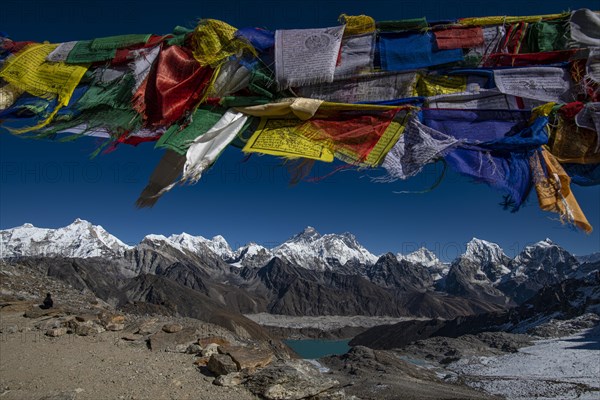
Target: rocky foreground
83, 348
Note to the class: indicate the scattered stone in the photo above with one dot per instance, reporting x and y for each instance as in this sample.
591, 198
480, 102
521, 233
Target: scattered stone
131, 337
86, 317
248, 358
213, 339
558, 328
229, 380
221, 364
210, 349
115, 327
172, 328
292, 379
193, 349
148, 328
18, 306
88, 330
37, 312
177, 342
49, 324
201, 361
111, 319
56, 332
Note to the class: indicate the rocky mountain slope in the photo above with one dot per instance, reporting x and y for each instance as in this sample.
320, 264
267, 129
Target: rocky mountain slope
310, 274
565, 300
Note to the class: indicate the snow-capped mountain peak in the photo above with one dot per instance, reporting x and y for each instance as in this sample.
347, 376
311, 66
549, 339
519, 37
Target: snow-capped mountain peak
428, 259
78, 239
421, 256
309, 249
489, 257
309, 234
195, 244
485, 252
251, 255
541, 254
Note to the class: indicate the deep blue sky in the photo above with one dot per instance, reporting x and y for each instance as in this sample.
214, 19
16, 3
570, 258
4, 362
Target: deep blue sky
50, 184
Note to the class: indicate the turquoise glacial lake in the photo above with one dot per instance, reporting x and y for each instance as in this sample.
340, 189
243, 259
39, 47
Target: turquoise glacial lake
314, 348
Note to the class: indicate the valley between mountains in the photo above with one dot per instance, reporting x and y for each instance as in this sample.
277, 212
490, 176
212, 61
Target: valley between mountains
397, 308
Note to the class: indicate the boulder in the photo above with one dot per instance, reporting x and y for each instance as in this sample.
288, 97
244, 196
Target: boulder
213, 339
47, 324
88, 330
110, 319
131, 337
172, 328
56, 332
148, 327
37, 312
86, 317
201, 361
193, 349
221, 364
248, 358
210, 349
291, 379
114, 327
177, 342
229, 380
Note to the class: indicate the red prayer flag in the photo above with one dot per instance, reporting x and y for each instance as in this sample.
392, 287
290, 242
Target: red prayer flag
459, 38
175, 85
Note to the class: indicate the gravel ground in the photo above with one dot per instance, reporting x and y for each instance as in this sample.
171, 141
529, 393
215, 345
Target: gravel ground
35, 366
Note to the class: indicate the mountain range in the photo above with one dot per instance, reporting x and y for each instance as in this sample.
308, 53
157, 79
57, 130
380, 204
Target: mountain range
309, 274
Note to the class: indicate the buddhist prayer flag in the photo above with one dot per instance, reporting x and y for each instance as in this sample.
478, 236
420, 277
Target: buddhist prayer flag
409, 50
509, 101
306, 56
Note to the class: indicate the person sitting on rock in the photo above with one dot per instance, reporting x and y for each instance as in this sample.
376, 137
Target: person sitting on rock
48, 303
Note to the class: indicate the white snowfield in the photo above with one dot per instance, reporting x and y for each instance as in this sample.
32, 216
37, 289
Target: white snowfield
562, 368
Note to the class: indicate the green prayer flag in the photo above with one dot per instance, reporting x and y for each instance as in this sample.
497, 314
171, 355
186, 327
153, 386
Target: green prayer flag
179, 140
83, 53
118, 42
547, 36
402, 25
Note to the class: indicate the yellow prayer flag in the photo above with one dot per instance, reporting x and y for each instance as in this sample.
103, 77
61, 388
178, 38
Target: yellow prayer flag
280, 137
500, 20
29, 71
434, 85
213, 41
357, 24
386, 142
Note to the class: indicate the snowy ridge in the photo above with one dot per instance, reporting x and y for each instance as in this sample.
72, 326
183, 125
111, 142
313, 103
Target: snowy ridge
542, 255
310, 250
217, 244
485, 252
428, 259
421, 256
251, 255
79, 239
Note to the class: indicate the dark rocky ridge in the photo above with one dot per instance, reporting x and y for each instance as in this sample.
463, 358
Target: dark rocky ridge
568, 299
482, 281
